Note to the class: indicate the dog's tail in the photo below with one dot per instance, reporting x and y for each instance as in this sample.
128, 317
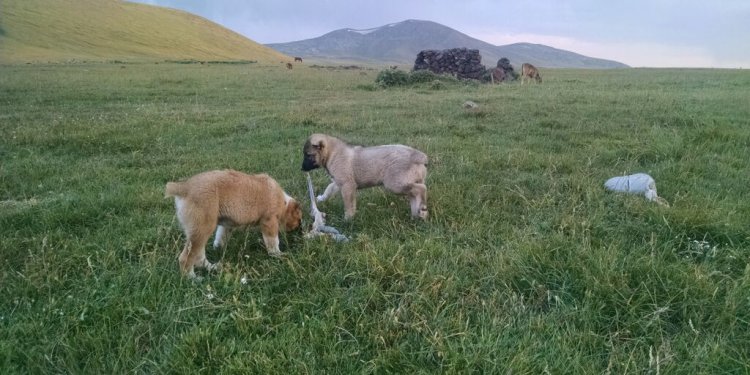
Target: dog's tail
175, 189
419, 157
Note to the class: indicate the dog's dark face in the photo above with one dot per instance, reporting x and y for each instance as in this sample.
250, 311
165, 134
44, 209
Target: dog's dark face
293, 216
312, 153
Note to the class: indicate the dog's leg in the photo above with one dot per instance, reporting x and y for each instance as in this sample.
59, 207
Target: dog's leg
198, 229
197, 254
195, 237
330, 190
193, 255
186, 268
349, 193
270, 230
418, 200
222, 236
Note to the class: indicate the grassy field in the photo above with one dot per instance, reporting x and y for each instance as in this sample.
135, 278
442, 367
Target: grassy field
526, 265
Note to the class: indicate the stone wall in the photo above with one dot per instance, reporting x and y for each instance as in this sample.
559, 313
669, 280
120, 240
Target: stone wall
461, 62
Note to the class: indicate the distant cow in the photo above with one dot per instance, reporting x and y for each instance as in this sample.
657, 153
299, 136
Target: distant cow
393, 67
297, 59
530, 71
289, 65
497, 75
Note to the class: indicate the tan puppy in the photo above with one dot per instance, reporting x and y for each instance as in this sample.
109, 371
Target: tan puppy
398, 168
229, 199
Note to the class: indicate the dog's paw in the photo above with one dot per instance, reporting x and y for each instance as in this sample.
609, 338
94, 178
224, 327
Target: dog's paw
423, 213
276, 253
320, 198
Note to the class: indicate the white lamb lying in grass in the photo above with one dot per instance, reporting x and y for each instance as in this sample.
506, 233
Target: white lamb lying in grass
639, 183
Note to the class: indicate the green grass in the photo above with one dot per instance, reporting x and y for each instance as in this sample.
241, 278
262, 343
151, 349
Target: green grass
106, 30
526, 263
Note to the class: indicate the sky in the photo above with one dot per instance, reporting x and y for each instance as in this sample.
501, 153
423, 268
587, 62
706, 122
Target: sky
640, 33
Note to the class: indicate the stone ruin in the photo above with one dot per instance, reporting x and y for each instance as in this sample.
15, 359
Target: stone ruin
464, 63
460, 62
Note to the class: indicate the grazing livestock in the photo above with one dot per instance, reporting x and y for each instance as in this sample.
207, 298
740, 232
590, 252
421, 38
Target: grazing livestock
530, 71
497, 75
289, 65
297, 59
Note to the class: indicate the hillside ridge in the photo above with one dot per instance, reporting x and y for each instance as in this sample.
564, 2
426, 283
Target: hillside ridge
401, 41
64, 30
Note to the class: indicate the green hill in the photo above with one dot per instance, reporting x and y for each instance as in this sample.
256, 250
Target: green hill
61, 30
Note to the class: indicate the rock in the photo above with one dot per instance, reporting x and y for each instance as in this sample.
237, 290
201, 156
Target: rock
503, 71
470, 105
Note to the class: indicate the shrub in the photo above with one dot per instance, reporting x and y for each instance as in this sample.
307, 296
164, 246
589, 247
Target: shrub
392, 77
422, 76
437, 85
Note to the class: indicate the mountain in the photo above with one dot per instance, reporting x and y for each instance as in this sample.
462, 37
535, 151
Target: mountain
399, 43
60, 30
549, 57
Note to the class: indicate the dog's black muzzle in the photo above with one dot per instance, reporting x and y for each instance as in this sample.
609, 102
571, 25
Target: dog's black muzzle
308, 163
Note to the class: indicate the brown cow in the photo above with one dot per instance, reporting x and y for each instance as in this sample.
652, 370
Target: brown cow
297, 59
530, 71
289, 65
497, 75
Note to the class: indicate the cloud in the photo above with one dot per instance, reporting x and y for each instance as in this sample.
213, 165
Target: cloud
635, 54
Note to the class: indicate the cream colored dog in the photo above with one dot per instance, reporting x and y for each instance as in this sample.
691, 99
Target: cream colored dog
398, 168
225, 199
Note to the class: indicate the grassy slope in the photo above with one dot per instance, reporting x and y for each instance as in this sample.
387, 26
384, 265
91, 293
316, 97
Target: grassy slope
526, 263
60, 30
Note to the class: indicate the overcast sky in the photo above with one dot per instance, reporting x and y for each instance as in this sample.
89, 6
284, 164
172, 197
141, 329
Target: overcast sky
654, 33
